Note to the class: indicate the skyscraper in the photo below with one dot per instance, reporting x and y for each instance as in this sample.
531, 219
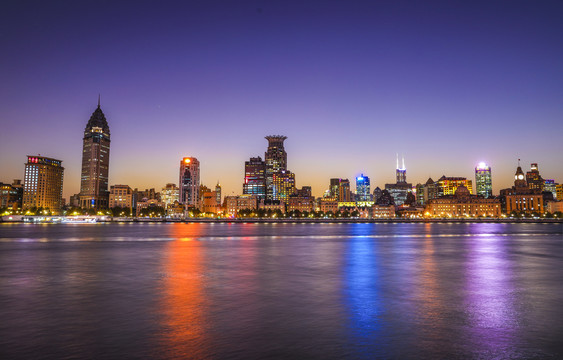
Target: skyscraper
363, 192
276, 161
95, 162
344, 191
255, 178
189, 182
534, 179
401, 188
283, 185
43, 184
218, 193
401, 172
483, 182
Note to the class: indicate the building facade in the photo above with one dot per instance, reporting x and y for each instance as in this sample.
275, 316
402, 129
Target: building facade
11, 195
255, 177
483, 181
189, 182
522, 199
276, 161
534, 179
43, 184
233, 204
447, 185
95, 162
121, 196
283, 185
363, 191
170, 194
463, 204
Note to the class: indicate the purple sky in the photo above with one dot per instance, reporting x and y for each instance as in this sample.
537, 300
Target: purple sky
350, 83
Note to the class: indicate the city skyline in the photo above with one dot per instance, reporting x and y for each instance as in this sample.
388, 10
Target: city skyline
350, 85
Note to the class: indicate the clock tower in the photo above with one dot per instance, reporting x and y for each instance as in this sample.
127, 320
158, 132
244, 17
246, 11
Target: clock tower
519, 178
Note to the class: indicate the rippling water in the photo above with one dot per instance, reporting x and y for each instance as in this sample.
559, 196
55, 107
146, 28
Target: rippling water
281, 291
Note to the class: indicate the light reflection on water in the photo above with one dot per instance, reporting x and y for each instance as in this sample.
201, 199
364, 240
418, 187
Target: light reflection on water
285, 290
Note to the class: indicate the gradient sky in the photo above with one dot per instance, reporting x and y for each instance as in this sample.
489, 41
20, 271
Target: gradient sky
351, 83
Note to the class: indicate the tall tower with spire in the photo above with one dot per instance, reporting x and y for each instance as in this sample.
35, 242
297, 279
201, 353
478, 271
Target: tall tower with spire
94, 192
401, 172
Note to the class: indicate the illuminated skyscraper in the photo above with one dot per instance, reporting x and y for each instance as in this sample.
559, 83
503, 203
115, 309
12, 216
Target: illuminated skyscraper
218, 193
255, 178
276, 161
401, 172
363, 192
189, 182
43, 184
483, 182
283, 185
534, 179
401, 188
95, 162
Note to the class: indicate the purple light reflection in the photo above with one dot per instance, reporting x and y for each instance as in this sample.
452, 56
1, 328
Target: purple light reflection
489, 297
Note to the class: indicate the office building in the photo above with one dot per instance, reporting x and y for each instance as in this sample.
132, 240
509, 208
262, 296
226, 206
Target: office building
534, 179
233, 204
276, 161
447, 185
218, 196
363, 191
189, 182
170, 194
121, 196
283, 185
43, 184
550, 186
483, 182
95, 162
255, 177
11, 195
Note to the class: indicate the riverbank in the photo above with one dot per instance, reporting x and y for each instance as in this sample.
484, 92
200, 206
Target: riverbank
60, 219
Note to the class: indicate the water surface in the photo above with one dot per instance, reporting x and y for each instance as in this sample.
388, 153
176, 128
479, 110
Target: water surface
281, 290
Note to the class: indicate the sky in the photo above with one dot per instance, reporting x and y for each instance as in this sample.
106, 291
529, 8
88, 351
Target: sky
447, 84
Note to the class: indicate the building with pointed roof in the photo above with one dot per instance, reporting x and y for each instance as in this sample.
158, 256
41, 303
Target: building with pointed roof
95, 162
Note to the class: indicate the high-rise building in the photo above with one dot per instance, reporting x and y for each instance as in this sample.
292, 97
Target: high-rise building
276, 161
344, 191
401, 188
483, 182
189, 182
363, 192
283, 185
401, 172
95, 162
43, 184
534, 179
255, 177
218, 193
550, 186
559, 192
334, 188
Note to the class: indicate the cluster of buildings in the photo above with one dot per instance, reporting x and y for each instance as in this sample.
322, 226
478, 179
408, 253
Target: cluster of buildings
269, 189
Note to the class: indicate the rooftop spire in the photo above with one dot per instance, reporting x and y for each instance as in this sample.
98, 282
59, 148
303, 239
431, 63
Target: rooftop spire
98, 100
397, 160
404, 162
